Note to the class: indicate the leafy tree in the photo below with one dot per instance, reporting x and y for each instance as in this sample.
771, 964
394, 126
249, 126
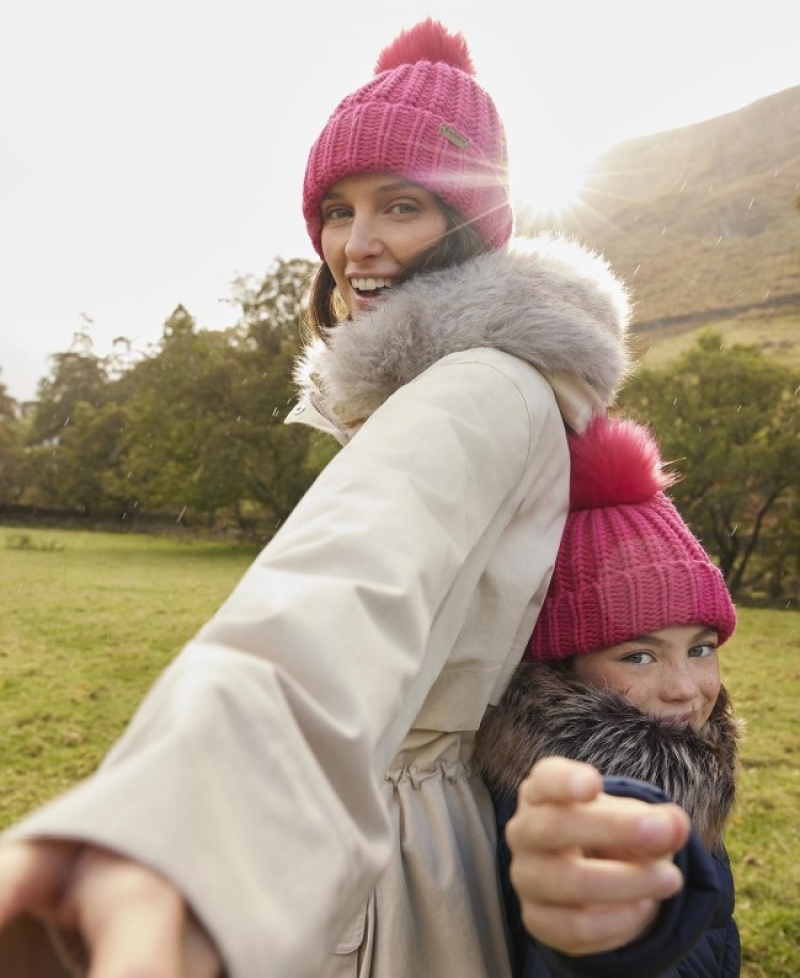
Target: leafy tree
729, 417
206, 436
180, 323
74, 473
75, 434
179, 454
278, 467
77, 375
272, 307
195, 427
12, 462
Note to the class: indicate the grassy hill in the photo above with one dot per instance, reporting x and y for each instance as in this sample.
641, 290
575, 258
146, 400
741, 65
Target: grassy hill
702, 222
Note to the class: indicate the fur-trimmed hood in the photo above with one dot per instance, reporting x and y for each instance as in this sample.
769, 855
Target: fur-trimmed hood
546, 712
544, 299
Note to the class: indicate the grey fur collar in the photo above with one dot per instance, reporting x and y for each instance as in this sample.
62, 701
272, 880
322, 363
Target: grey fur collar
546, 300
545, 712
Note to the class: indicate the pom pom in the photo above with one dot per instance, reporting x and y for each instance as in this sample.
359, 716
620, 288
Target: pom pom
614, 462
427, 41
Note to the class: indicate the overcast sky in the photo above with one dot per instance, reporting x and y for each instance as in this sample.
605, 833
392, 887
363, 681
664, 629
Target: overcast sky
150, 152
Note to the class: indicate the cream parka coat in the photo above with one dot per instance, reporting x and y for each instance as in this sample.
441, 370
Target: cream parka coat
301, 771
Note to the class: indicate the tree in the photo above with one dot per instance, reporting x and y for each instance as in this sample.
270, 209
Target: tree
205, 434
12, 462
729, 417
75, 431
194, 428
272, 307
77, 375
282, 459
179, 451
74, 473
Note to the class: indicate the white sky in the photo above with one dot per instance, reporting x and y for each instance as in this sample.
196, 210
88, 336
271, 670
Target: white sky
151, 151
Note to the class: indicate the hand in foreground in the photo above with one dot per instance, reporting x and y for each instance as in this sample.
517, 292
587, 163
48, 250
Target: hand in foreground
590, 869
131, 919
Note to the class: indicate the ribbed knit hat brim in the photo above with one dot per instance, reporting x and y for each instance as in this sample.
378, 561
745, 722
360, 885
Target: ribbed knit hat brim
625, 571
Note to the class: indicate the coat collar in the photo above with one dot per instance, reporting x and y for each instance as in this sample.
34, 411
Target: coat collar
544, 299
545, 712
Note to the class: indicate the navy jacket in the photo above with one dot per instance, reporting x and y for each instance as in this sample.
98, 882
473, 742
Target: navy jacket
695, 935
547, 712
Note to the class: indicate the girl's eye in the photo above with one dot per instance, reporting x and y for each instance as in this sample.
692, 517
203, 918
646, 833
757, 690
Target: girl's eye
704, 651
639, 658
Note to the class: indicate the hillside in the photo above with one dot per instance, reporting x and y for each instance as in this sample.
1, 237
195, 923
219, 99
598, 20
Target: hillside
700, 220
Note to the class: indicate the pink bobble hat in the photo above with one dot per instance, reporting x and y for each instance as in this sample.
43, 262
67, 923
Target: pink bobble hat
423, 117
628, 564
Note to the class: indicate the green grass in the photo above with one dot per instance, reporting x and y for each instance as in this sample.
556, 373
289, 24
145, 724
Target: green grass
762, 670
88, 621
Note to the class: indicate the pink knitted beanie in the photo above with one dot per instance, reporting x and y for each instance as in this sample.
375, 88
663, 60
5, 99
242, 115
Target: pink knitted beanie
423, 116
627, 564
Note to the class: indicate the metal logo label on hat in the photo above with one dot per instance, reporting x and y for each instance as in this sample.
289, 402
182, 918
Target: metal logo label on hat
454, 136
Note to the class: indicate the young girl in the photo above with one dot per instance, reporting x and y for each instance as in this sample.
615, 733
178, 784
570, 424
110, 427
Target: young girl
622, 673
295, 796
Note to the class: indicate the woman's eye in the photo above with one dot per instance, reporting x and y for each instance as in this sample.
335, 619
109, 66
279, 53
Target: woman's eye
403, 207
335, 214
702, 651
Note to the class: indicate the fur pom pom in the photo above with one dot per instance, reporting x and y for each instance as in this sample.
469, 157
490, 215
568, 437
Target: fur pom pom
427, 41
614, 462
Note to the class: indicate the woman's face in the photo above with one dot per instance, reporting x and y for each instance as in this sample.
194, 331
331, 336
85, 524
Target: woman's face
673, 672
373, 226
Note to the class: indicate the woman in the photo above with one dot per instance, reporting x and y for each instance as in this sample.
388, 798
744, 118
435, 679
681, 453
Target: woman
298, 782
622, 673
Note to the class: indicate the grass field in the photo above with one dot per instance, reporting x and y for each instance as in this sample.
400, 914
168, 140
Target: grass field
762, 670
87, 621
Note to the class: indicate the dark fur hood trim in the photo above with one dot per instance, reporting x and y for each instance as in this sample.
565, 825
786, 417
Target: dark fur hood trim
544, 299
546, 712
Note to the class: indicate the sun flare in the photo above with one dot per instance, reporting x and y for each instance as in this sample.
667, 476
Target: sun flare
554, 188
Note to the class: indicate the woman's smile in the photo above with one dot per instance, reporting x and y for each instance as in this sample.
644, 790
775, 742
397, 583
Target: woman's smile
373, 226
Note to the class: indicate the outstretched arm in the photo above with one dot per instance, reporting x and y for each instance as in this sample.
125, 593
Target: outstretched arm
590, 869
251, 775
129, 918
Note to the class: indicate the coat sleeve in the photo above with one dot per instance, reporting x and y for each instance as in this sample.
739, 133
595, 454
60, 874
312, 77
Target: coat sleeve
250, 776
732, 960
682, 922
726, 948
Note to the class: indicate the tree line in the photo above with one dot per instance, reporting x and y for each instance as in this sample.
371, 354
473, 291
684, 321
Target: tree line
192, 432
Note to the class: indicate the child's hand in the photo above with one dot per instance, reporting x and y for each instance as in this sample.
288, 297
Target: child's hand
590, 869
130, 919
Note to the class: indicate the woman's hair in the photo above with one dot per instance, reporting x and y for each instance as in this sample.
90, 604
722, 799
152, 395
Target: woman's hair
459, 243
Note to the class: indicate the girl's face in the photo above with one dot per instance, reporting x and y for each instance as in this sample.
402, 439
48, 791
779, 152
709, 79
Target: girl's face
672, 673
373, 226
